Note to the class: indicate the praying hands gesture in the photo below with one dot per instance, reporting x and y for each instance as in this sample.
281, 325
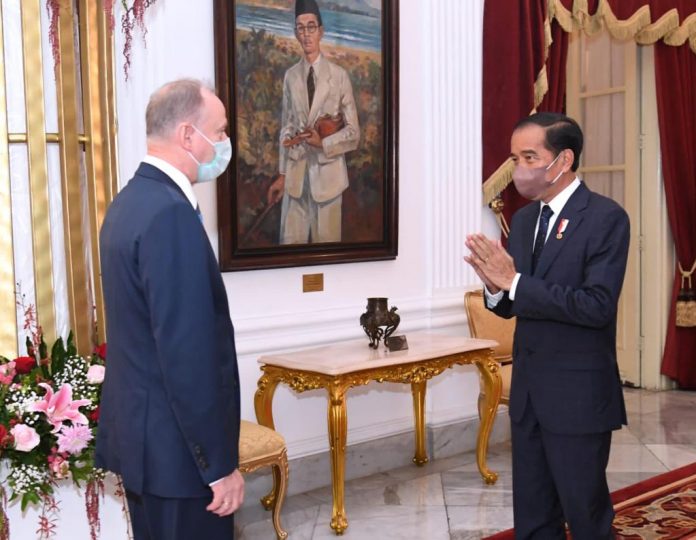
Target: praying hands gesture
491, 262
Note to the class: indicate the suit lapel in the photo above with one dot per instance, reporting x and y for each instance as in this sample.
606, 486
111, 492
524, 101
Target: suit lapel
527, 241
573, 212
301, 95
298, 94
323, 77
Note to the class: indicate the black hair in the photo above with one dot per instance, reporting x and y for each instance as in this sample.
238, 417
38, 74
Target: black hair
562, 132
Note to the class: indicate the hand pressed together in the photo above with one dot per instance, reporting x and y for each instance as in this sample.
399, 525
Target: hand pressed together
491, 262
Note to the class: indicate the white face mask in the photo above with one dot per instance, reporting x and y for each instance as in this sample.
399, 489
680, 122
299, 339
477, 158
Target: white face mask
216, 166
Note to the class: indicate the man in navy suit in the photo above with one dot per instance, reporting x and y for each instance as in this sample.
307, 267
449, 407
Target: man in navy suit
169, 422
561, 279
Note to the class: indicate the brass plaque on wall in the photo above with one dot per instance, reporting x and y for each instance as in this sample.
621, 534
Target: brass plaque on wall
312, 282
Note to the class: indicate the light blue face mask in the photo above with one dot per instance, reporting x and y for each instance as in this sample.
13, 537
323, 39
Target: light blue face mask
216, 166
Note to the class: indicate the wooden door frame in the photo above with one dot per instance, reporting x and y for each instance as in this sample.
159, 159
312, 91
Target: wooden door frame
631, 170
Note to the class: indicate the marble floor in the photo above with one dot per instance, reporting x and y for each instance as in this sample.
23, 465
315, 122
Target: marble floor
446, 499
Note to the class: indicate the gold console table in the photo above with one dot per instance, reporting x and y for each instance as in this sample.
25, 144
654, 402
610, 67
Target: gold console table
352, 363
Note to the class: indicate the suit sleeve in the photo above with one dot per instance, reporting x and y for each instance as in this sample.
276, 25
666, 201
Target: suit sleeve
594, 302
289, 125
504, 306
348, 138
174, 264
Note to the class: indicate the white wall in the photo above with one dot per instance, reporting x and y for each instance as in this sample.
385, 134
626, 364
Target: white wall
440, 202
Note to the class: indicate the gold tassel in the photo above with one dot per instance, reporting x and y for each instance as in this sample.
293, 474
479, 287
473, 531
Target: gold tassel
652, 33
497, 181
558, 11
686, 301
687, 30
623, 30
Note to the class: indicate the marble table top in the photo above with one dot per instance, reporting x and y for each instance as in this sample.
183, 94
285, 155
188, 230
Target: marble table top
355, 355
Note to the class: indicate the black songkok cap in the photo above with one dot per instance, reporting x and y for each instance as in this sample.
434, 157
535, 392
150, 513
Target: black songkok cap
307, 6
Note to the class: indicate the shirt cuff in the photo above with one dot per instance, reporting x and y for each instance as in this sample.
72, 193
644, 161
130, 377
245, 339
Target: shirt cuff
492, 299
513, 287
216, 481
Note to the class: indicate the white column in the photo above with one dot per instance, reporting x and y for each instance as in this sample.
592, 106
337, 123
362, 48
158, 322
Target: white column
455, 30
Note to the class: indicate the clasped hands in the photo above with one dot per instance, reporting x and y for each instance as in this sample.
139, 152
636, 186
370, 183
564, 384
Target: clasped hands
491, 262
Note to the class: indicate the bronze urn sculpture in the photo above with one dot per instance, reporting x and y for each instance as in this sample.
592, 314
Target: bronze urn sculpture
379, 322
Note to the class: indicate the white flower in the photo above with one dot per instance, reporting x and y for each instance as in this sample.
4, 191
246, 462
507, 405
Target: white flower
26, 478
25, 437
95, 374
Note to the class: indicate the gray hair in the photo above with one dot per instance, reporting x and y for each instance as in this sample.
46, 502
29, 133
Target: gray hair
175, 102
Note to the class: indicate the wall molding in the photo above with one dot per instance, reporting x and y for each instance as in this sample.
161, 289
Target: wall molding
280, 332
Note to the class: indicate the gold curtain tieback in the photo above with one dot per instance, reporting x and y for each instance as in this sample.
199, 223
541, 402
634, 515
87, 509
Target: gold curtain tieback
686, 300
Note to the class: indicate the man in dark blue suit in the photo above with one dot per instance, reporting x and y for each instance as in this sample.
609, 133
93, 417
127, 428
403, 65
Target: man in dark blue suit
169, 421
561, 279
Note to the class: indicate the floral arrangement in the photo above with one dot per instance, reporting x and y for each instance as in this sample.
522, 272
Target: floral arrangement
133, 15
49, 409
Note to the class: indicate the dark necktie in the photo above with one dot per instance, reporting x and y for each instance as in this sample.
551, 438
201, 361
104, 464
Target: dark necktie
198, 213
546, 214
310, 85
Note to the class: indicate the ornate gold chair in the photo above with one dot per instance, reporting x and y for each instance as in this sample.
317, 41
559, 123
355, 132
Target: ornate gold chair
485, 324
259, 447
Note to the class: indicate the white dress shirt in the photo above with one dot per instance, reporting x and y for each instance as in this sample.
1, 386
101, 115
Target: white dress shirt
556, 204
179, 178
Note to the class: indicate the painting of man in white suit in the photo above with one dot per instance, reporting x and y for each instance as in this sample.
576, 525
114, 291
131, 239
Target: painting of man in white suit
319, 126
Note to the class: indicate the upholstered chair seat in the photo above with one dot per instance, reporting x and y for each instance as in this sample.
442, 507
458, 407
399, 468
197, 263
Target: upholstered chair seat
485, 324
260, 446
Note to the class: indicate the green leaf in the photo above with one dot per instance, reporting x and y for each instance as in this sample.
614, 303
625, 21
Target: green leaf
45, 371
57, 357
58, 351
72, 350
43, 349
29, 498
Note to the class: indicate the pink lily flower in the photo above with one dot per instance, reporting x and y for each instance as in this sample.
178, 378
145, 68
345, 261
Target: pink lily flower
7, 373
60, 406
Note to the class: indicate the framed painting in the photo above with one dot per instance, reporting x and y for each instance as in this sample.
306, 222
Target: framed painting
311, 91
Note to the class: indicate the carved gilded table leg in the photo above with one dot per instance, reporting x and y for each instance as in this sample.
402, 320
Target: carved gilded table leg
338, 432
263, 406
263, 399
492, 385
418, 391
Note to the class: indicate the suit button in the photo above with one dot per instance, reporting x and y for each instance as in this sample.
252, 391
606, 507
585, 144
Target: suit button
197, 450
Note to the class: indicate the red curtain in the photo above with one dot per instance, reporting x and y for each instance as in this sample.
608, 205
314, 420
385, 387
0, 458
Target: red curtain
513, 54
675, 77
513, 49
